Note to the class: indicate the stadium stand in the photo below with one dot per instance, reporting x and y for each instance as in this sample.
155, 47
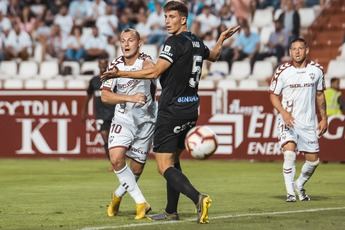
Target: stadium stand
207, 84
248, 84
227, 84
48, 69
57, 83
220, 67
72, 68
27, 69
89, 67
323, 25
262, 70
76, 84
336, 68
8, 69
240, 70
34, 84
263, 17
13, 83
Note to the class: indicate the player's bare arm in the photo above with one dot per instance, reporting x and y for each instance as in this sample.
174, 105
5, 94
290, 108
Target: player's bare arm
321, 104
152, 72
287, 117
114, 98
215, 52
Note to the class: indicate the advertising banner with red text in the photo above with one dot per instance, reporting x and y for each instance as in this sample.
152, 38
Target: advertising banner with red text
247, 129
49, 124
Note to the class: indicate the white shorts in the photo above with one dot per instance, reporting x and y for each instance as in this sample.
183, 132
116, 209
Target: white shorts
306, 140
137, 140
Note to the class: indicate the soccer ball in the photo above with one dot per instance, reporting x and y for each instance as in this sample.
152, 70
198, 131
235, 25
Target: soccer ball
201, 142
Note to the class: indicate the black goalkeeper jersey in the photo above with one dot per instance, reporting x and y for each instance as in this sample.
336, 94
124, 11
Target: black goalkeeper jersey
179, 98
102, 111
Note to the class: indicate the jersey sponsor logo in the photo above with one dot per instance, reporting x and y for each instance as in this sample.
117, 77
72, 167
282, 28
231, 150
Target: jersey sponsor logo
179, 128
167, 48
107, 84
187, 99
302, 85
135, 150
130, 83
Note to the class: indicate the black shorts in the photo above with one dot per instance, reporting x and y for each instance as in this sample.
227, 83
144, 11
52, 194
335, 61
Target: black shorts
105, 126
169, 134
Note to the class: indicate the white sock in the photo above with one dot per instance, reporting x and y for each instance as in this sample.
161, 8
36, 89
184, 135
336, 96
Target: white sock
121, 191
127, 181
289, 170
307, 171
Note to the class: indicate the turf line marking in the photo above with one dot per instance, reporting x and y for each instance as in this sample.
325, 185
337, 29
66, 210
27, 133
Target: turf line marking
214, 218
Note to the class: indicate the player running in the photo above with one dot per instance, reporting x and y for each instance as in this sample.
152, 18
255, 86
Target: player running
300, 83
132, 127
179, 66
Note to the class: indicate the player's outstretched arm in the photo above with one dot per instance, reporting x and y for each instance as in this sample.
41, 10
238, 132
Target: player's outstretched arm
215, 52
111, 98
151, 72
321, 105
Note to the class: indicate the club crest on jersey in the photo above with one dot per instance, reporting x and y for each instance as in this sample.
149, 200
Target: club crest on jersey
312, 76
167, 48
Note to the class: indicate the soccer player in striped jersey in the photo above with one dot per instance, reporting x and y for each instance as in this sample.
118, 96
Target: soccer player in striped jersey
132, 127
299, 84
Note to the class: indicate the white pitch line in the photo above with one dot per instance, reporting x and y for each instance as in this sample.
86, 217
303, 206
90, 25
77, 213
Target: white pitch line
214, 218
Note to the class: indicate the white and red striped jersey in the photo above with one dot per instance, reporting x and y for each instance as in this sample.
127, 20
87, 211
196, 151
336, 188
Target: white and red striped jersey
298, 87
132, 113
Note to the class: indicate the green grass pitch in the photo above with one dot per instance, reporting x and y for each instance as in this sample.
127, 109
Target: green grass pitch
73, 194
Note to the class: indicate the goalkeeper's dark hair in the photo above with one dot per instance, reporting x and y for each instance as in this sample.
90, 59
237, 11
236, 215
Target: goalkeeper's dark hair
299, 40
178, 6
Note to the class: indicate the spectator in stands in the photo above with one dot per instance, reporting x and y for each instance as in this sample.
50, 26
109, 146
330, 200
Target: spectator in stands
52, 46
107, 24
2, 51
263, 4
142, 27
246, 45
227, 16
27, 20
80, 11
334, 100
242, 9
15, 7
277, 44
3, 7
208, 21
97, 9
156, 23
124, 21
74, 46
18, 44
55, 5
95, 45
290, 19
64, 20
5, 24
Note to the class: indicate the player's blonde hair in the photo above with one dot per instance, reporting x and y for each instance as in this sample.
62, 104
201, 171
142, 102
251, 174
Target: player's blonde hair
131, 30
